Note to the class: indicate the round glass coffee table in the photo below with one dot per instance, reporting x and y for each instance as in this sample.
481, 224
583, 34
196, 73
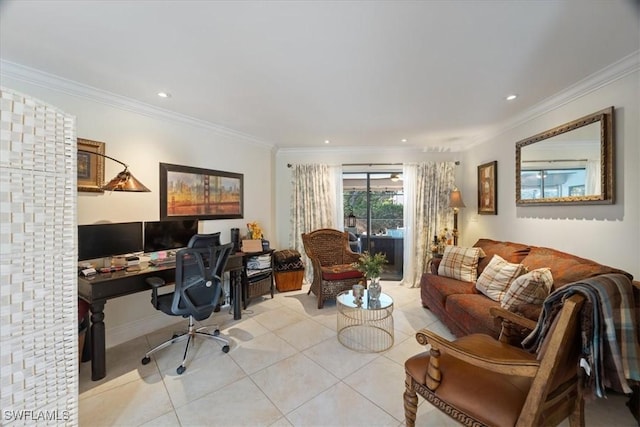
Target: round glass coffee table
368, 327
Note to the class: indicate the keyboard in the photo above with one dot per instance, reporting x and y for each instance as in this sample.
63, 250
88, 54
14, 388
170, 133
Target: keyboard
163, 261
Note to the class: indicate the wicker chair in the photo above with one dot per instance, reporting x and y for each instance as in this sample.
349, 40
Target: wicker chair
331, 259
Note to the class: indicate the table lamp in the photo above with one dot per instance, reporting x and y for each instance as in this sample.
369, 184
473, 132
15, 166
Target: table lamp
455, 202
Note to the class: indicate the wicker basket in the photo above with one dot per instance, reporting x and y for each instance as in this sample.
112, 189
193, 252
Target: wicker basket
259, 287
289, 280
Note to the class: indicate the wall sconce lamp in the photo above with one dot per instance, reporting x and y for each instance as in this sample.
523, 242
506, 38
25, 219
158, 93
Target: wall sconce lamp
351, 219
124, 181
455, 202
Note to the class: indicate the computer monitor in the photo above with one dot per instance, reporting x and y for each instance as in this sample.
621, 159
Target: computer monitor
167, 235
105, 240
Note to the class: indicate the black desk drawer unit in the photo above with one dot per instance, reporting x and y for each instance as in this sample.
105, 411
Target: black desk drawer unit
258, 277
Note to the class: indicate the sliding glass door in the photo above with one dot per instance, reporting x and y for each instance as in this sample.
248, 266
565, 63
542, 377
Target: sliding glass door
373, 206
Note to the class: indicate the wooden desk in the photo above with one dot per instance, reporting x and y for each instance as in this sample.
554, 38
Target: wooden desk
98, 289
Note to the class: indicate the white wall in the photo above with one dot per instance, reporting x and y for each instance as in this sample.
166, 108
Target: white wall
609, 234
143, 141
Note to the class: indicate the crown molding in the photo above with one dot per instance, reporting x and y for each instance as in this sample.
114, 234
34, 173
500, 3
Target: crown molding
79, 90
348, 149
627, 65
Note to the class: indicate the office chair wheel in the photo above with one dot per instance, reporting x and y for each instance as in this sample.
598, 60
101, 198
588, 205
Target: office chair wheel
225, 349
216, 332
180, 369
146, 360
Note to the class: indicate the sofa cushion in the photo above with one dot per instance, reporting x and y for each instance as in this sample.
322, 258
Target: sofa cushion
460, 263
566, 268
340, 272
511, 252
530, 288
471, 312
440, 287
497, 276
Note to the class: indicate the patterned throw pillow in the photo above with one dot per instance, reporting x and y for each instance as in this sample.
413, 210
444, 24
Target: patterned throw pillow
497, 276
460, 263
530, 288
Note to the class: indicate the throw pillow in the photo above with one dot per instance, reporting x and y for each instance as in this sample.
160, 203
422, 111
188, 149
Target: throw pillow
530, 288
460, 263
497, 276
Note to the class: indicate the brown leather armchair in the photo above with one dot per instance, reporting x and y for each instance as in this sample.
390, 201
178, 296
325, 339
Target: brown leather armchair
331, 259
481, 381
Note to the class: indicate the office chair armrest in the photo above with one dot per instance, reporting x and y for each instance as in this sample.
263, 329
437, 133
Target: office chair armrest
155, 283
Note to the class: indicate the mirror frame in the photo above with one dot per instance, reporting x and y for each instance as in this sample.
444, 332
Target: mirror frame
607, 184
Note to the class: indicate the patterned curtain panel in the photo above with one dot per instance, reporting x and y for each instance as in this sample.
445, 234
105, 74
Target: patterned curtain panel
313, 203
427, 212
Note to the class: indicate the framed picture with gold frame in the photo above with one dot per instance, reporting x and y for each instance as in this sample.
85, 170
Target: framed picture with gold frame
487, 188
90, 167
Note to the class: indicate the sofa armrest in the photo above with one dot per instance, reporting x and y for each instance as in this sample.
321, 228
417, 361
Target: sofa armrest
514, 326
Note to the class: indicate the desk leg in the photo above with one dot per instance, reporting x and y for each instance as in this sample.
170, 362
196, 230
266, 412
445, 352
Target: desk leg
236, 279
98, 358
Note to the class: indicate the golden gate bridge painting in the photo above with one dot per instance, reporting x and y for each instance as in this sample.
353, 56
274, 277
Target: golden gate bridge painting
202, 193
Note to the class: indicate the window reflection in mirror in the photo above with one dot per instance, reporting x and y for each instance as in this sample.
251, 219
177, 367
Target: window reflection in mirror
568, 164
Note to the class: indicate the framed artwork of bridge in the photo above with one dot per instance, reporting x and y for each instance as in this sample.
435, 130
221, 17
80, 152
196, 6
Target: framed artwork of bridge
195, 193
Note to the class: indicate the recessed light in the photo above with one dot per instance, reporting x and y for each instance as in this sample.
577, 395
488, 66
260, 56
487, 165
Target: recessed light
403, 140
512, 97
326, 141
164, 95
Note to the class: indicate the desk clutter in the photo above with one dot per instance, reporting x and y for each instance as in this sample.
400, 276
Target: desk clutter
289, 270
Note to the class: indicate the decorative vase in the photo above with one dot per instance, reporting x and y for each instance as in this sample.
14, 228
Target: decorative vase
374, 289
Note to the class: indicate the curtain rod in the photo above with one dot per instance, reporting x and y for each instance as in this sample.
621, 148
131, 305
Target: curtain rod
457, 162
555, 160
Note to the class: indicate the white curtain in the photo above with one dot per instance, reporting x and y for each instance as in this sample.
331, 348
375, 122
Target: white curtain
426, 213
592, 177
316, 202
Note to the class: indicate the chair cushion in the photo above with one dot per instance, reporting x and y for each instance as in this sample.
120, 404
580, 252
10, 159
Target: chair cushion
340, 272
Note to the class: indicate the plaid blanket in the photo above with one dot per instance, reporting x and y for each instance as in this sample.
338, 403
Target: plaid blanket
610, 331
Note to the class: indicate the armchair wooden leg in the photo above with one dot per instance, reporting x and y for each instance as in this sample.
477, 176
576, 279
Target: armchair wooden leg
410, 403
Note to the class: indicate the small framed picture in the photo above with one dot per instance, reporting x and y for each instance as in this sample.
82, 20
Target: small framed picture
487, 188
90, 166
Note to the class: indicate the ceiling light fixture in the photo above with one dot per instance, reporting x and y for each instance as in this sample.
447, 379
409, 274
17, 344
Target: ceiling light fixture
164, 95
512, 97
326, 141
395, 177
403, 140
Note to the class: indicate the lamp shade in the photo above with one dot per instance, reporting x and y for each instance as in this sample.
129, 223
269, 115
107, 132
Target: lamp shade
125, 181
455, 199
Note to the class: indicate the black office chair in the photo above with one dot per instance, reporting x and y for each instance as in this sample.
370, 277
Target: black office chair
198, 288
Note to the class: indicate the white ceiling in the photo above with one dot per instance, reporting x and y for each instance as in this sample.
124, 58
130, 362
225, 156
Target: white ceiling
357, 73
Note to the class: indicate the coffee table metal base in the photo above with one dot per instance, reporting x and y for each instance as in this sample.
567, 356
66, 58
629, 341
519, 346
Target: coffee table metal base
364, 329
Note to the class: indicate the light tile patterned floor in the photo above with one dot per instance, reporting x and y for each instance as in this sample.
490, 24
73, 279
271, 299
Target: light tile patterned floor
285, 368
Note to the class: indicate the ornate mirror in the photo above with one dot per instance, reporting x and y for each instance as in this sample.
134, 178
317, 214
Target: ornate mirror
570, 164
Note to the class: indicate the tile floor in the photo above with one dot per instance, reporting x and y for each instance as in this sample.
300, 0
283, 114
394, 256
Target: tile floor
285, 368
